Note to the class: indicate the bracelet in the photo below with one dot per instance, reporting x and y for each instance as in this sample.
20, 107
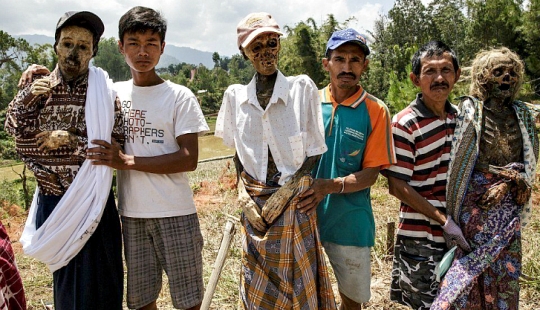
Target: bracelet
342, 180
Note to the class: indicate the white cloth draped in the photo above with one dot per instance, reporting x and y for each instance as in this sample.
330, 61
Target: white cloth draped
78, 213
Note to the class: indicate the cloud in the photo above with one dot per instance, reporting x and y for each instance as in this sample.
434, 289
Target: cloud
208, 25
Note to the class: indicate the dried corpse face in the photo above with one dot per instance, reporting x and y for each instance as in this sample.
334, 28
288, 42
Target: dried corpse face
74, 50
502, 80
263, 53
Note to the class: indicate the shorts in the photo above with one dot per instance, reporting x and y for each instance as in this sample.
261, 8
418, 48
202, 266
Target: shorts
172, 244
414, 281
352, 267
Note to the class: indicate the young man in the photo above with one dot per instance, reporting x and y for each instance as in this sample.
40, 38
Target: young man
359, 140
423, 135
162, 122
73, 223
274, 123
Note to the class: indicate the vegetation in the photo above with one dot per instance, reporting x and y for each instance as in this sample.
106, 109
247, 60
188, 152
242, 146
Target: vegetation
466, 25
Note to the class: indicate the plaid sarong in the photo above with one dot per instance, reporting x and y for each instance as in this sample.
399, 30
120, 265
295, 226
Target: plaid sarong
284, 268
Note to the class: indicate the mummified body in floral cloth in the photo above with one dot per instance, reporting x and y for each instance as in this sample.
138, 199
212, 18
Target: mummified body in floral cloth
493, 163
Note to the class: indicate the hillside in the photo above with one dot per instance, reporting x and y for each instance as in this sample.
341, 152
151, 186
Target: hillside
173, 54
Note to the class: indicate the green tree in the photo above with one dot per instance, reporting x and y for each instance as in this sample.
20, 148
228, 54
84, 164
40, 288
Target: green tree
531, 35
111, 60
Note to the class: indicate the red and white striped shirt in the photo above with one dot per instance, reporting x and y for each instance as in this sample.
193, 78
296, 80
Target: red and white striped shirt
422, 144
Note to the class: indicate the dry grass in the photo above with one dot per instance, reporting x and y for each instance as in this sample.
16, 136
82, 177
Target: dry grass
213, 184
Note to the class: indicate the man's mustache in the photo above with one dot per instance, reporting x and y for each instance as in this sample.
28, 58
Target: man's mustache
349, 74
437, 84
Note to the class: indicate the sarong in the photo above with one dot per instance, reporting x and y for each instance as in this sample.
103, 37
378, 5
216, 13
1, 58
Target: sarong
486, 278
284, 268
11, 286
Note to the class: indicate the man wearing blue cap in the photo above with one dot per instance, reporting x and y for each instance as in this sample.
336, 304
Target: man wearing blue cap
359, 140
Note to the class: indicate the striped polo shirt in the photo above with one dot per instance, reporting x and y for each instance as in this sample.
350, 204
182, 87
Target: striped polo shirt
422, 144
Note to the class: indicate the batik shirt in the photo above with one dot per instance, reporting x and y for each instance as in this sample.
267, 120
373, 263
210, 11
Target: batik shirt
62, 109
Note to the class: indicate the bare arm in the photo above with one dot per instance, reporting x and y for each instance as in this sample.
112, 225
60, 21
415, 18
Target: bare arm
404, 192
112, 155
354, 182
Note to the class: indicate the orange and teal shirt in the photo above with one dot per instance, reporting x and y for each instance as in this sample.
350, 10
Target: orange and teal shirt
358, 135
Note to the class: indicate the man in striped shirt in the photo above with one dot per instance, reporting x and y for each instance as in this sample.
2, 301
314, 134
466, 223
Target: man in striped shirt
423, 136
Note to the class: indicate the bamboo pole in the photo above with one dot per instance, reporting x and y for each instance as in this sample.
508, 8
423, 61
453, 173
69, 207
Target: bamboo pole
228, 234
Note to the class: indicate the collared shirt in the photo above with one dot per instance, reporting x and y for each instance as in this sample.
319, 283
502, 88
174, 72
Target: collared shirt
291, 125
423, 142
358, 135
62, 109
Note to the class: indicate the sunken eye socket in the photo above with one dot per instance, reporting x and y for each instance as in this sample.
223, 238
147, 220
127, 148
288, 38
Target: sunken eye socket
497, 72
272, 43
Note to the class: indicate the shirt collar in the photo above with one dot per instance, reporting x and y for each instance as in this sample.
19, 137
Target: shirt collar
420, 108
281, 90
353, 101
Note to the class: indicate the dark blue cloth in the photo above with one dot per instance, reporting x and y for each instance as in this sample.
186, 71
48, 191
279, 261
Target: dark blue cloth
94, 278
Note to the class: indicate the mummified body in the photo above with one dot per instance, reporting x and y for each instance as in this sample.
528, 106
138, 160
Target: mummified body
500, 142
490, 203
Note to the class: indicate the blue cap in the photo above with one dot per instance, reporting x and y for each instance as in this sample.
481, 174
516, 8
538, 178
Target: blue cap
345, 36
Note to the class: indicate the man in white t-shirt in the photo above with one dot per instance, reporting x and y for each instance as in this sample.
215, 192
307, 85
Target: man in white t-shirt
162, 123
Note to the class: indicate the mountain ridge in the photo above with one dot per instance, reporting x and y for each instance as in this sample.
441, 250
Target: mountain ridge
172, 55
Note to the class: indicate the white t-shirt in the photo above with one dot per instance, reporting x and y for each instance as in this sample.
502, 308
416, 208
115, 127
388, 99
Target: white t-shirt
154, 117
291, 125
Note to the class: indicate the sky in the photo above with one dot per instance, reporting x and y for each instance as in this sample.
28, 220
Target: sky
207, 25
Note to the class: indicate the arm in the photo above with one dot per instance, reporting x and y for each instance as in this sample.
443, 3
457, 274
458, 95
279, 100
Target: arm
353, 182
404, 192
112, 155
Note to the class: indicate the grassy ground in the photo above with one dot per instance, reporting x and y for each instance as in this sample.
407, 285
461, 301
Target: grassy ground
213, 184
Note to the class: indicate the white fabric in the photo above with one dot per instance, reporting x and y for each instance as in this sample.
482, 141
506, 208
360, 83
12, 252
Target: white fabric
291, 125
78, 213
154, 117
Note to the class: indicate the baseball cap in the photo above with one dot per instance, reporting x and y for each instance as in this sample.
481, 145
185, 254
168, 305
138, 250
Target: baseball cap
253, 25
344, 36
80, 18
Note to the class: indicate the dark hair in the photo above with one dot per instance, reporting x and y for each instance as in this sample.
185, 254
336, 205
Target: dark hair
430, 49
141, 18
82, 24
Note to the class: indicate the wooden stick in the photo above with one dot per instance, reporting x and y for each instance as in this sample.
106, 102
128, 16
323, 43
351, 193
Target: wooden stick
390, 230
228, 234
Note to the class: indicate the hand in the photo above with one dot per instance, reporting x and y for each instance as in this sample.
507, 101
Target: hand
251, 209
26, 77
52, 140
41, 87
109, 154
494, 195
453, 235
310, 199
522, 188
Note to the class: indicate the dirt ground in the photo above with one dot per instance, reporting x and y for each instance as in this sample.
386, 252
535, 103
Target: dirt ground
214, 189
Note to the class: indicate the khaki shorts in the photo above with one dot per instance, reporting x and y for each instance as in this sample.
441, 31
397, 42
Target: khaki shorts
352, 267
173, 244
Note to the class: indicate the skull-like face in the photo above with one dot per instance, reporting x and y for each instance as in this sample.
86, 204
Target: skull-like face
74, 50
503, 80
263, 53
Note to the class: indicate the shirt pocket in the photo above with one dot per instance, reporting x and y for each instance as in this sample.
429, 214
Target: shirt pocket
350, 154
297, 146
